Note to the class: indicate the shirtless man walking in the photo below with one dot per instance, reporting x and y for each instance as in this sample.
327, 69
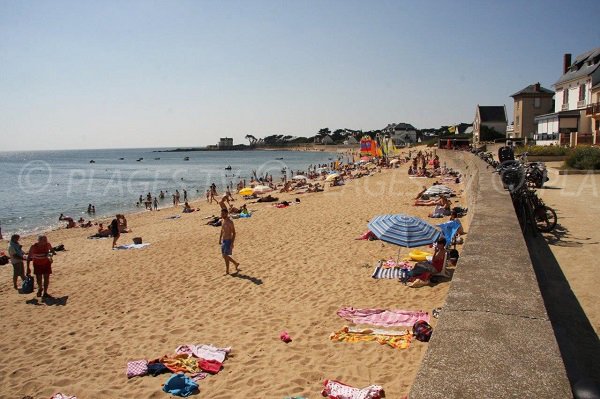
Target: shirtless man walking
222, 201
226, 240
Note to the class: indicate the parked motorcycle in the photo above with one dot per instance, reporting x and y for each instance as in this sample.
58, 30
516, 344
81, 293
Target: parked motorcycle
536, 174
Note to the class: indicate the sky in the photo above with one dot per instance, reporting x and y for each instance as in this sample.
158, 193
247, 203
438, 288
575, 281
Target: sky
125, 74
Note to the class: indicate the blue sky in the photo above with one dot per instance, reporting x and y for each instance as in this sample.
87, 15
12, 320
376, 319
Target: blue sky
100, 74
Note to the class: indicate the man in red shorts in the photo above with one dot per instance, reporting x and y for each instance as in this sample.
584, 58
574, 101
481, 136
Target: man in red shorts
39, 253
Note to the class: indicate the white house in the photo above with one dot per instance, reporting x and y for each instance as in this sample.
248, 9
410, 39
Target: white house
569, 124
401, 133
489, 117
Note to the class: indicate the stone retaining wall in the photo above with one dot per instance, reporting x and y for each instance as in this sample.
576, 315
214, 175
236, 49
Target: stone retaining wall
494, 338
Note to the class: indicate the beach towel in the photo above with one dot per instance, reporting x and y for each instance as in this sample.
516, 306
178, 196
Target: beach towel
383, 317
180, 385
62, 396
206, 352
173, 217
387, 272
337, 390
137, 368
181, 363
395, 339
157, 368
132, 246
210, 366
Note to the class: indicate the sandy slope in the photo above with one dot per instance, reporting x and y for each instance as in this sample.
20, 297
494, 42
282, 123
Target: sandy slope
299, 265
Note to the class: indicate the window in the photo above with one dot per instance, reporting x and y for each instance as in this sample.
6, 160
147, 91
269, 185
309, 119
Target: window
517, 105
565, 96
537, 102
517, 122
582, 92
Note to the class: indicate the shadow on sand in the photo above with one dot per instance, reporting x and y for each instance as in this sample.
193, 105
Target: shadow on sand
578, 342
253, 280
58, 301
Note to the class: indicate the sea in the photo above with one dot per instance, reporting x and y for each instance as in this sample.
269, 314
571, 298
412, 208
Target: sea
36, 187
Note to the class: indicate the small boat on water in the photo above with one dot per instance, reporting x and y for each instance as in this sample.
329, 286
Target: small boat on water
279, 159
228, 167
92, 161
121, 159
186, 158
139, 159
156, 159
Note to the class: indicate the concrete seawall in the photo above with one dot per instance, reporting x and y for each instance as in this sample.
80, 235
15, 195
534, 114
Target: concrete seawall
494, 338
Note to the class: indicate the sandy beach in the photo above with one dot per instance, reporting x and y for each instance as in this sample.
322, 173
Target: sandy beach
299, 265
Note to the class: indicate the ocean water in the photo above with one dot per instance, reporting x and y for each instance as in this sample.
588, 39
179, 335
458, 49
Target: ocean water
36, 187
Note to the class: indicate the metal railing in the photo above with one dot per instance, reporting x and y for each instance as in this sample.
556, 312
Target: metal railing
592, 109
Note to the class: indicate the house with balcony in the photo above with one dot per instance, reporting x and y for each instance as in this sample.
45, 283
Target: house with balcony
572, 122
401, 134
534, 100
593, 111
490, 122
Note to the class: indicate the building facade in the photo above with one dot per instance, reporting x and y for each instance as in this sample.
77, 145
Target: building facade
532, 101
401, 134
225, 143
489, 118
570, 122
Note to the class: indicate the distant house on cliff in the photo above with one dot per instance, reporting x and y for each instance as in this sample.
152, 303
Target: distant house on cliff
324, 139
490, 122
225, 143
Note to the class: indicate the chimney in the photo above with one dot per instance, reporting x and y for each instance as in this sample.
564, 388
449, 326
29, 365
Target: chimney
537, 87
566, 62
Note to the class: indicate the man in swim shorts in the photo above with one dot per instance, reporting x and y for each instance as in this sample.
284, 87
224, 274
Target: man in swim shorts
226, 240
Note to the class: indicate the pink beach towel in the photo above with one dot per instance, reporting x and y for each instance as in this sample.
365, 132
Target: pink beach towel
137, 368
383, 317
337, 390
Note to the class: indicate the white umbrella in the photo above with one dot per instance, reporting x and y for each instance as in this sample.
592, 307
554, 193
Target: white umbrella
332, 177
394, 161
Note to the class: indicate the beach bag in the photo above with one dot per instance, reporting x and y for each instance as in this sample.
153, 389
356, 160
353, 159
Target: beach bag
3, 260
59, 248
137, 240
422, 331
27, 287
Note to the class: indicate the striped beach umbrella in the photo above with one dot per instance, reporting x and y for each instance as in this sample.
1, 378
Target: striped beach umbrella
403, 230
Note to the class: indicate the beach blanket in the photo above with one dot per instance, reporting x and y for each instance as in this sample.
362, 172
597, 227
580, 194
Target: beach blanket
181, 363
132, 246
180, 385
337, 390
173, 217
206, 352
62, 396
382, 317
395, 339
137, 368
